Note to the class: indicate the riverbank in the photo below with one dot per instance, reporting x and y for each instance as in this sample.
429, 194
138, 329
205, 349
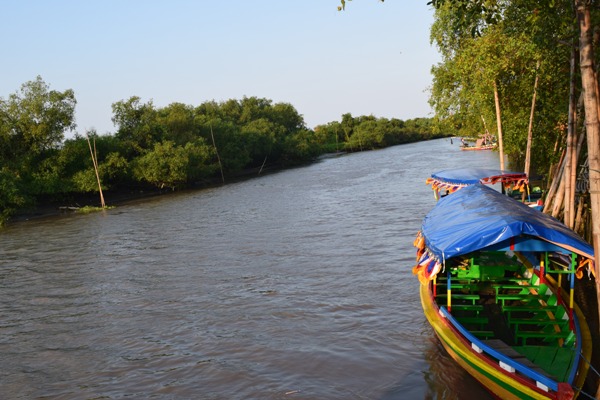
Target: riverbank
116, 198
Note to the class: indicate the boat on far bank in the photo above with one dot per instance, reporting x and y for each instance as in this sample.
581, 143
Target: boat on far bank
483, 143
476, 148
497, 283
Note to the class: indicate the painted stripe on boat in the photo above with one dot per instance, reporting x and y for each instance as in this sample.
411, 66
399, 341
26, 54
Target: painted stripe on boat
490, 375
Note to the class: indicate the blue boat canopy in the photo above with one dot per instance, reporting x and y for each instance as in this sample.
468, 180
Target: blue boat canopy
451, 180
471, 176
478, 217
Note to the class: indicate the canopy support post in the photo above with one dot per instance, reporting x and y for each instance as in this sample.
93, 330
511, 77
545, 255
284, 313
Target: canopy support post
572, 288
449, 290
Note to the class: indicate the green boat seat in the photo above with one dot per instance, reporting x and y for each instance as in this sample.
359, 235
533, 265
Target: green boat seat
467, 307
541, 334
529, 309
525, 297
537, 321
461, 296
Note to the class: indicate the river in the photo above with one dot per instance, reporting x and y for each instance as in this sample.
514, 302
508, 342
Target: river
292, 285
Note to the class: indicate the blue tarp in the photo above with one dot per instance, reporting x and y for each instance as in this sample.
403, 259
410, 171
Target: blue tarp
471, 176
478, 216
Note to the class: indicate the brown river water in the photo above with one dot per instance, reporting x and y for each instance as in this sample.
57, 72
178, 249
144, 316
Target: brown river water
292, 285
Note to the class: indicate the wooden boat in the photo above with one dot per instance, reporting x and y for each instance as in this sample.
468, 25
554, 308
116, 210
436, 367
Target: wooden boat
476, 148
480, 144
514, 183
451, 180
493, 274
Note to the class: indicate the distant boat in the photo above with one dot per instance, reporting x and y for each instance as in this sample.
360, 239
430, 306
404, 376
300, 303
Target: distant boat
497, 282
480, 144
476, 148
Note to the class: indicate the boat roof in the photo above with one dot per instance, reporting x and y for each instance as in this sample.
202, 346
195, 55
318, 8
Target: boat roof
478, 217
471, 176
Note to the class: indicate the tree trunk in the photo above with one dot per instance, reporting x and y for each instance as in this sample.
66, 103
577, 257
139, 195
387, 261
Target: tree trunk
555, 181
571, 159
586, 62
570, 222
530, 128
560, 193
570, 168
578, 220
499, 122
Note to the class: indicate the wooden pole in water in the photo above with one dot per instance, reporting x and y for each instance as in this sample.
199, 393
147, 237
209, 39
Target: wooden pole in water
263, 165
95, 162
217, 152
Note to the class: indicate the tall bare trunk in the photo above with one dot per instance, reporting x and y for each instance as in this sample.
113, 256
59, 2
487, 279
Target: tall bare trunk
589, 84
571, 158
572, 183
499, 122
530, 129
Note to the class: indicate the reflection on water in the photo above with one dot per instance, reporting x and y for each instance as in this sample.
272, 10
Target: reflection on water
295, 285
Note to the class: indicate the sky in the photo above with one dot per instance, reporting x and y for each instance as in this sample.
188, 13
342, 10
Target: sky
372, 59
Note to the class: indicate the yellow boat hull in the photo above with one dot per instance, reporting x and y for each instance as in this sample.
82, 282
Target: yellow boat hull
496, 380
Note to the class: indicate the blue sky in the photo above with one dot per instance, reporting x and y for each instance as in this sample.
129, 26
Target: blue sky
372, 59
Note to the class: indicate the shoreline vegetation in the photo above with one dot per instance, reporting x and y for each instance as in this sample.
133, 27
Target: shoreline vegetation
156, 150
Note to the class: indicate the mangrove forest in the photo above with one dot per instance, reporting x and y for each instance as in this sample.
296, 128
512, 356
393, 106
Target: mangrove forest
45, 161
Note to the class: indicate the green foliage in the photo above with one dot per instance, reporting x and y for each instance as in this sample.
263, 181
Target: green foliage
138, 126
300, 147
228, 142
201, 160
33, 121
260, 139
471, 16
35, 118
114, 168
487, 43
170, 147
178, 122
329, 137
368, 135
11, 198
84, 181
164, 166
91, 209
368, 132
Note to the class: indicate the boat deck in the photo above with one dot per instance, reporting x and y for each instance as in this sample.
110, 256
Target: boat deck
514, 318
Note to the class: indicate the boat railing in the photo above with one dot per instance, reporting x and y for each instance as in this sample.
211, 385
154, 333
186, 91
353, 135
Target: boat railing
578, 350
542, 381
